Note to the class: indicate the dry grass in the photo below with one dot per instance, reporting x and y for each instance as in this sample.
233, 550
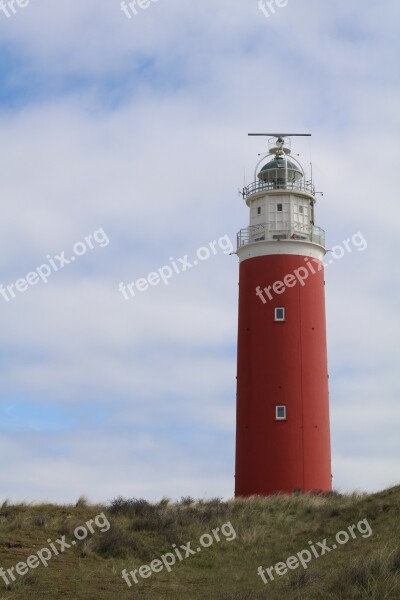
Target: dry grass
268, 530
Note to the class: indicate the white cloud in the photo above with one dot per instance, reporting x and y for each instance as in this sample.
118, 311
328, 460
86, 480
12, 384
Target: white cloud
140, 128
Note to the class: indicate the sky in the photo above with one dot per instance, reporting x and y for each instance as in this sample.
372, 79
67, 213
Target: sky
123, 144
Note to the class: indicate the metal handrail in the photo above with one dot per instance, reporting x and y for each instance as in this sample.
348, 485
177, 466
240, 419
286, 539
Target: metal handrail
266, 186
283, 231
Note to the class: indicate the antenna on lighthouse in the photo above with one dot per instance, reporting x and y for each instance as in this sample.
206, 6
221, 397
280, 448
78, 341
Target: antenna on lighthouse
283, 135
277, 144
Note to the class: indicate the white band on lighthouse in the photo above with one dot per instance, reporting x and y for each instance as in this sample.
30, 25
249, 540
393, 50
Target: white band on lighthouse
290, 247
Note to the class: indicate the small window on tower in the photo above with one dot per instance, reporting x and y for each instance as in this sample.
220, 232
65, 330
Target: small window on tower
280, 413
259, 210
279, 207
279, 314
301, 209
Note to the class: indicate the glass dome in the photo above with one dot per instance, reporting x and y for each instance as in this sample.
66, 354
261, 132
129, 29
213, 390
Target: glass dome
280, 171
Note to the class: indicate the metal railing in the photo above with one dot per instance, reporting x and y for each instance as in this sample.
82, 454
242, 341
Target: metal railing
284, 231
266, 186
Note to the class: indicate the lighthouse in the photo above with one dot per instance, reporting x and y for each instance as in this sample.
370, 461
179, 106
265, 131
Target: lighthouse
282, 417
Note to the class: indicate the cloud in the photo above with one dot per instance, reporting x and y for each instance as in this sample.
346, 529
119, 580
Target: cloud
140, 127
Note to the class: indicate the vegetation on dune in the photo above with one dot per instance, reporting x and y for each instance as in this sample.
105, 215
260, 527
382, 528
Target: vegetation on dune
267, 532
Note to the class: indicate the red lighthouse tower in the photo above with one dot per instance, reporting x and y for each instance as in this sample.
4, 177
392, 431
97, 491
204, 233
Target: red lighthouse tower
282, 435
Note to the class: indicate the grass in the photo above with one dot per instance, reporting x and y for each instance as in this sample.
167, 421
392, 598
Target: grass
268, 531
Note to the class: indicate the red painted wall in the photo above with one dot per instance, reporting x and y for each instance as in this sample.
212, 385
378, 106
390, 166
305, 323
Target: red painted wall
282, 363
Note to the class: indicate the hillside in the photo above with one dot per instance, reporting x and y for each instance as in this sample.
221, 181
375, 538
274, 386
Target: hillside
204, 549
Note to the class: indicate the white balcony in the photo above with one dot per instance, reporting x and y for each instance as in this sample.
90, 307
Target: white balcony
279, 184
272, 232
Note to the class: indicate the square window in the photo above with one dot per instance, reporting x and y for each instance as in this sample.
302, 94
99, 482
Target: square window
280, 413
279, 207
259, 210
279, 314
